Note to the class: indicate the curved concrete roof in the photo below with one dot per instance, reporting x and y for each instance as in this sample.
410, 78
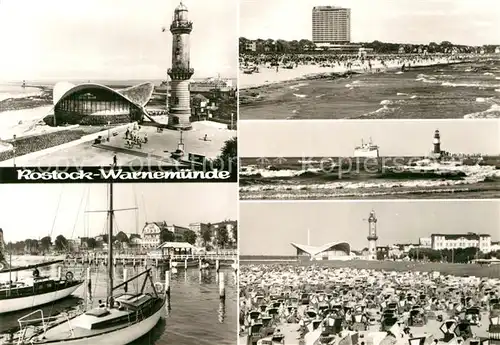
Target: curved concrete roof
138, 94
313, 250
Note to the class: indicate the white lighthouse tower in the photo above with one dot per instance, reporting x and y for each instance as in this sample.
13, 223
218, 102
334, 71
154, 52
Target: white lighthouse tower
181, 71
372, 236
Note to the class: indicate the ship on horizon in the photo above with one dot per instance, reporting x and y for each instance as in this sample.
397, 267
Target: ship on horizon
367, 150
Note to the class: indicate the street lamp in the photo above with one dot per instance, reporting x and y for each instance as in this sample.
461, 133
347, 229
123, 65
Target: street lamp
232, 114
14, 150
109, 130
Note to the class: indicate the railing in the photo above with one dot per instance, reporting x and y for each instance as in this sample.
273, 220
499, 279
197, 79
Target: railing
224, 253
23, 322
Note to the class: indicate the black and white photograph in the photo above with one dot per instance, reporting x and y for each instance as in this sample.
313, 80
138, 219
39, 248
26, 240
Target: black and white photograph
381, 272
152, 83
392, 159
119, 264
377, 59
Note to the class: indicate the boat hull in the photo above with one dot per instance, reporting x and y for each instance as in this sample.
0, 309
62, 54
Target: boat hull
366, 154
28, 302
121, 336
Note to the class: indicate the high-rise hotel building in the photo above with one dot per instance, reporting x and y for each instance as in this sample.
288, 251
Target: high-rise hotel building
331, 24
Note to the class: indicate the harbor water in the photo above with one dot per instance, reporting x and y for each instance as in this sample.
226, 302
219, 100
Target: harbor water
195, 314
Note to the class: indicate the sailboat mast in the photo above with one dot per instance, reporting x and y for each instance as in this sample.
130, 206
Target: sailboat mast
10, 267
110, 244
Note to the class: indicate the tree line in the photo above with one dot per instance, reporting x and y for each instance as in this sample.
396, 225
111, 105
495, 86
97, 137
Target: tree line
61, 244
307, 46
459, 255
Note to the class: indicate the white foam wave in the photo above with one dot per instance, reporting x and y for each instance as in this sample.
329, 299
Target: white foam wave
492, 113
401, 94
296, 86
414, 96
468, 85
299, 96
400, 72
265, 173
474, 174
319, 96
488, 73
385, 102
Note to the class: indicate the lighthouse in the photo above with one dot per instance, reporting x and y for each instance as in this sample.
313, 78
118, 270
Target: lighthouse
372, 236
437, 144
181, 71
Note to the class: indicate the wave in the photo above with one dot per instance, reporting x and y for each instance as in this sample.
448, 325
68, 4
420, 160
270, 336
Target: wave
365, 194
269, 174
447, 83
492, 113
295, 87
299, 96
488, 73
471, 174
357, 186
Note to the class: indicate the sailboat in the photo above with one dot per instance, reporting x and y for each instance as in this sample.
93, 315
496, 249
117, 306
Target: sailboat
36, 290
120, 320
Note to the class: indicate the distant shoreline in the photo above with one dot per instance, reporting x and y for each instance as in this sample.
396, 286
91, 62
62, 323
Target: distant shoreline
28, 102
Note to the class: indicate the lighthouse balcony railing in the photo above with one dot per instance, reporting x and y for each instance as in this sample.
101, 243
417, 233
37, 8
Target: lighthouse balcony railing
181, 25
178, 70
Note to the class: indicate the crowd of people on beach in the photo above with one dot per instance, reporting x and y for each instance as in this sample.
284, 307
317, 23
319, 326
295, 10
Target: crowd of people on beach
250, 63
324, 305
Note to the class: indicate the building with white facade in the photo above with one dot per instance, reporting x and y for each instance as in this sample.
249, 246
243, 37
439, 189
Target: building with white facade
328, 251
331, 24
425, 242
455, 241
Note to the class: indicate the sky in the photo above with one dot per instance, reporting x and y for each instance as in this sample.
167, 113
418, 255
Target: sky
38, 210
468, 22
112, 39
267, 228
339, 138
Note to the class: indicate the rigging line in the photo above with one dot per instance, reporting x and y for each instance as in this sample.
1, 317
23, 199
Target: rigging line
57, 210
86, 216
144, 206
136, 209
79, 209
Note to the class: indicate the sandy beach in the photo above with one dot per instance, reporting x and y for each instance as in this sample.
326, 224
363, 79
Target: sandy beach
267, 75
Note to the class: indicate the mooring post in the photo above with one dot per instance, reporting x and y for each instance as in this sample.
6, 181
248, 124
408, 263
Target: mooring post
125, 277
185, 264
167, 282
59, 272
222, 286
217, 265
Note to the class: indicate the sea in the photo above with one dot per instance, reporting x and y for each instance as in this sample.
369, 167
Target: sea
457, 91
196, 315
16, 91
320, 178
